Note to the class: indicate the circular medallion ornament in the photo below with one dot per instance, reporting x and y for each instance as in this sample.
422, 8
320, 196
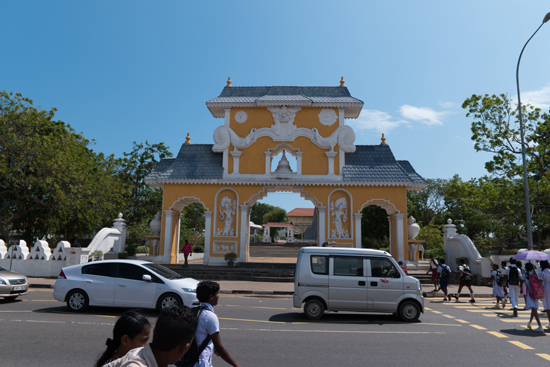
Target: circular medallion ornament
327, 117
241, 117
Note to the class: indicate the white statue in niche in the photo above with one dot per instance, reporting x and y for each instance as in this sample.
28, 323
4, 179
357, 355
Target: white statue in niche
339, 211
227, 210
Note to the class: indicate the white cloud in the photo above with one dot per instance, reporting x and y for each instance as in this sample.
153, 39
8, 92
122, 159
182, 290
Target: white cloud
446, 104
425, 115
538, 98
377, 120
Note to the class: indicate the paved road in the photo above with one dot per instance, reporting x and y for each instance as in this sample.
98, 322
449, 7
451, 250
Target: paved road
268, 331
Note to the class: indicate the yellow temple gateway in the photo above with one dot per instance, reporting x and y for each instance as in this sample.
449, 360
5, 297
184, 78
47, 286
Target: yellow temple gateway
259, 123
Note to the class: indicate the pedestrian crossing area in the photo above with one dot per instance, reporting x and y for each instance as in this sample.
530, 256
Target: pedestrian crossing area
489, 308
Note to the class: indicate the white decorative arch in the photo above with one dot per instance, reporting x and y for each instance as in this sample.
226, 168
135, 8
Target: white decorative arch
289, 188
383, 203
273, 152
182, 202
284, 146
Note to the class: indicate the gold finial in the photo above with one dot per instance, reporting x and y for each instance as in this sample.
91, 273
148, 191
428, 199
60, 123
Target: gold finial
342, 83
228, 82
383, 140
188, 139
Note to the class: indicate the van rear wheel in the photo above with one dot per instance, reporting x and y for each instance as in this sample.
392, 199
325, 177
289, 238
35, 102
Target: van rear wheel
409, 311
314, 309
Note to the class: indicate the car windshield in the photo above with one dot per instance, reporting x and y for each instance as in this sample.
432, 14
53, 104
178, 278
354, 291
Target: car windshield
162, 271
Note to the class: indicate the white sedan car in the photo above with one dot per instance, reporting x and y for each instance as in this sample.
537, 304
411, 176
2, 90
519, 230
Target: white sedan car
123, 283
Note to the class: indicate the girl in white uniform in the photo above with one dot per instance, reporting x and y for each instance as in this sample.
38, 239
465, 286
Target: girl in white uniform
531, 304
545, 276
498, 291
523, 285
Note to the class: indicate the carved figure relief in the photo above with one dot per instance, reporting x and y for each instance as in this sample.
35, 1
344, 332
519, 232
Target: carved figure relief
327, 116
284, 119
339, 213
228, 209
224, 247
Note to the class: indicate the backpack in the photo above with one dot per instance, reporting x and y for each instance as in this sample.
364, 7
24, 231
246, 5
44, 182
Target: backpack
500, 279
191, 357
445, 273
466, 277
513, 275
536, 290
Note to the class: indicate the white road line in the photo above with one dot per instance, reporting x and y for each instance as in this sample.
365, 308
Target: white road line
338, 331
60, 322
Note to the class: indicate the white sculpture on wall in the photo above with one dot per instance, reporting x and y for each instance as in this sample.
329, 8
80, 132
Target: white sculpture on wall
413, 229
339, 212
227, 210
327, 116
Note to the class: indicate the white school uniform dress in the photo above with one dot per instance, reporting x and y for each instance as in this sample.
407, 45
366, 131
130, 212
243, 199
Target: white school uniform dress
208, 324
545, 276
513, 289
530, 303
498, 291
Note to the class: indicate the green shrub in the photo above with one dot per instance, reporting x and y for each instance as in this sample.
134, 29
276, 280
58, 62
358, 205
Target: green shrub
96, 255
122, 255
141, 249
458, 260
230, 256
198, 249
131, 250
436, 251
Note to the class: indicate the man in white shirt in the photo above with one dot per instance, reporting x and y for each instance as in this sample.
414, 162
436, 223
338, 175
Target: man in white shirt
172, 336
207, 294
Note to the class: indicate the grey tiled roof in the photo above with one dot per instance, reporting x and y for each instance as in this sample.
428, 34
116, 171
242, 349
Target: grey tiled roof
377, 163
194, 161
276, 93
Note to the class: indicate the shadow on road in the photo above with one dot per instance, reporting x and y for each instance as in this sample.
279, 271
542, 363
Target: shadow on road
4, 301
527, 332
339, 318
96, 311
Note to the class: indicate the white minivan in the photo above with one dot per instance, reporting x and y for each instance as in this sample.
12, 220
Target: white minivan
350, 279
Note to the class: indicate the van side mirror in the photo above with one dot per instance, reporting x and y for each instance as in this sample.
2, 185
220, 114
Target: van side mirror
146, 277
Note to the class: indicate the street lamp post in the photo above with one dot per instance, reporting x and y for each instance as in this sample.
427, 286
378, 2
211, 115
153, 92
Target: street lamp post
525, 179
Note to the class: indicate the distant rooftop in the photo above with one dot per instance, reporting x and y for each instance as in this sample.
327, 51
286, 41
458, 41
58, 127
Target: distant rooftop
301, 212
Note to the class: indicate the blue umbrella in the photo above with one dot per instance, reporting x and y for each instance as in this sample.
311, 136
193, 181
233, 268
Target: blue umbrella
532, 255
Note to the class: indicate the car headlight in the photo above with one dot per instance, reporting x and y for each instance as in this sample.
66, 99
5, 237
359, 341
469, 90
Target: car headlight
4, 281
189, 290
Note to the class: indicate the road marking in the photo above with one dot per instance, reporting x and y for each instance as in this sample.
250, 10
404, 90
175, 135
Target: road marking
61, 322
520, 344
489, 314
498, 335
462, 321
270, 308
544, 355
436, 312
271, 322
515, 320
478, 327
339, 331
477, 311
427, 308
449, 316
15, 311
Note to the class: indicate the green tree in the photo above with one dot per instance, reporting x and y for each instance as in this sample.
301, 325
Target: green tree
375, 227
51, 182
144, 201
258, 211
428, 205
277, 215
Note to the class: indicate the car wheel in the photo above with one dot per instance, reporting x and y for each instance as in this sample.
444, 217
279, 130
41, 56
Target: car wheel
167, 300
409, 311
314, 309
10, 298
77, 301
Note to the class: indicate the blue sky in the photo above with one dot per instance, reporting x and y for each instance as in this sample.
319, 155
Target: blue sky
124, 71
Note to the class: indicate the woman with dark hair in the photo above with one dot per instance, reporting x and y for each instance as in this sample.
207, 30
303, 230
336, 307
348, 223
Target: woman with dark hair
545, 277
531, 304
131, 331
523, 286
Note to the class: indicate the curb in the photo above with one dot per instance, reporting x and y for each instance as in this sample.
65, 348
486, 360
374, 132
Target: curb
40, 285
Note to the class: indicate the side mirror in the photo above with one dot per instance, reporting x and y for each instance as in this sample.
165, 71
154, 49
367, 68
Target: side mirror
146, 277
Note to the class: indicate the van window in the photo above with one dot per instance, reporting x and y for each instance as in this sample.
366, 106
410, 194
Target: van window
348, 266
383, 268
319, 264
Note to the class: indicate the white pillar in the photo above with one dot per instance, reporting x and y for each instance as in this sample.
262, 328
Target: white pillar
299, 162
391, 233
120, 243
227, 116
342, 154
322, 224
358, 217
166, 257
243, 233
207, 236
178, 231
267, 163
236, 155
400, 238
330, 156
